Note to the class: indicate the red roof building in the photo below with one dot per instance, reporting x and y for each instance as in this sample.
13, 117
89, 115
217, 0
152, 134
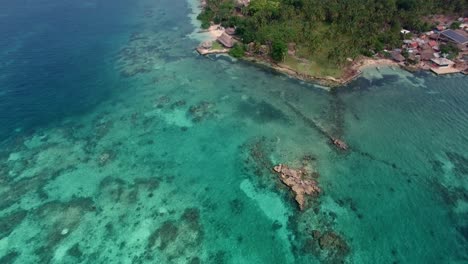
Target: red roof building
414, 45
432, 43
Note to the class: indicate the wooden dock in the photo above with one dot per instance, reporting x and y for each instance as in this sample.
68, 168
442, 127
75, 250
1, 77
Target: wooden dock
445, 70
203, 51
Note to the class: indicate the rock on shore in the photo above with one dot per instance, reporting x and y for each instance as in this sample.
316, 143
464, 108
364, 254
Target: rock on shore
296, 180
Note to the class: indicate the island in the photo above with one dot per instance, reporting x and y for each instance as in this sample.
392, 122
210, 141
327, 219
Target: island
332, 41
299, 181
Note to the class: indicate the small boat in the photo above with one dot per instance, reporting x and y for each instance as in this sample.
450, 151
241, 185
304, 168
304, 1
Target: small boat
340, 144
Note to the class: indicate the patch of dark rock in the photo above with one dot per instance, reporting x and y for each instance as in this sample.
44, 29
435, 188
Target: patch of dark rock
219, 257
170, 179
166, 233
450, 195
44, 254
387, 78
10, 222
236, 206
459, 161
310, 247
41, 193
13, 192
150, 184
57, 225
102, 129
202, 111
109, 227
332, 215
463, 230
348, 202
50, 208
262, 112
328, 245
10, 257
334, 243
195, 260
437, 166
276, 225
122, 245
75, 251
257, 152
163, 100
112, 186
179, 103
192, 217
360, 84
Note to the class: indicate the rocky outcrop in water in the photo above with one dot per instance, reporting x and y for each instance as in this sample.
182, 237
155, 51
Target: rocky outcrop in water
298, 181
202, 111
329, 246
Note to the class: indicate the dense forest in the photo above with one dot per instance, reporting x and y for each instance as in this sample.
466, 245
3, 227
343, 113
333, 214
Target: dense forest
334, 29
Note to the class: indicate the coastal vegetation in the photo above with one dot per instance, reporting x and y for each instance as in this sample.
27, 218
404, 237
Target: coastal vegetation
237, 51
450, 50
325, 32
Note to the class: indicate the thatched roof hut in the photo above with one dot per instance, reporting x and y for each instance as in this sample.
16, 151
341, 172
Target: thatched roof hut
242, 3
397, 56
226, 40
427, 54
230, 31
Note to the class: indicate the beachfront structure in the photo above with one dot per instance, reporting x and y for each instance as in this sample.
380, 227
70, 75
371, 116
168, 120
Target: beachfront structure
442, 62
397, 56
242, 3
230, 31
226, 40
427, 54
440, 27
454, 36
206, 45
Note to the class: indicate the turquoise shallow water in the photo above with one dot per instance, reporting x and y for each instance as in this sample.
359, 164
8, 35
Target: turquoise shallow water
127, 147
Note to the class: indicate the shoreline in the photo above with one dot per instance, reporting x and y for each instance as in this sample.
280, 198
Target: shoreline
350, 72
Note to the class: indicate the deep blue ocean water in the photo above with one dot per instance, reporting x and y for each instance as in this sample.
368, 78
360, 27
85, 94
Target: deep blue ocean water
57, 58
119, 144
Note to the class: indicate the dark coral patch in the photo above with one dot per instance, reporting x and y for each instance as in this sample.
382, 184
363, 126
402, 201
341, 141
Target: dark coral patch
150, 184
192, 217
10, 257
166, 233
463, 230
195, 260
202, 111
10, 222
262, 112
330, 246
59, 220
236, 206
114, 187
459, 161
218, 257
75, 251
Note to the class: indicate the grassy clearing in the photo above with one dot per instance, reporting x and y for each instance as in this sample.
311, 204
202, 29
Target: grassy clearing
314, 66
217, 46
314, 60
